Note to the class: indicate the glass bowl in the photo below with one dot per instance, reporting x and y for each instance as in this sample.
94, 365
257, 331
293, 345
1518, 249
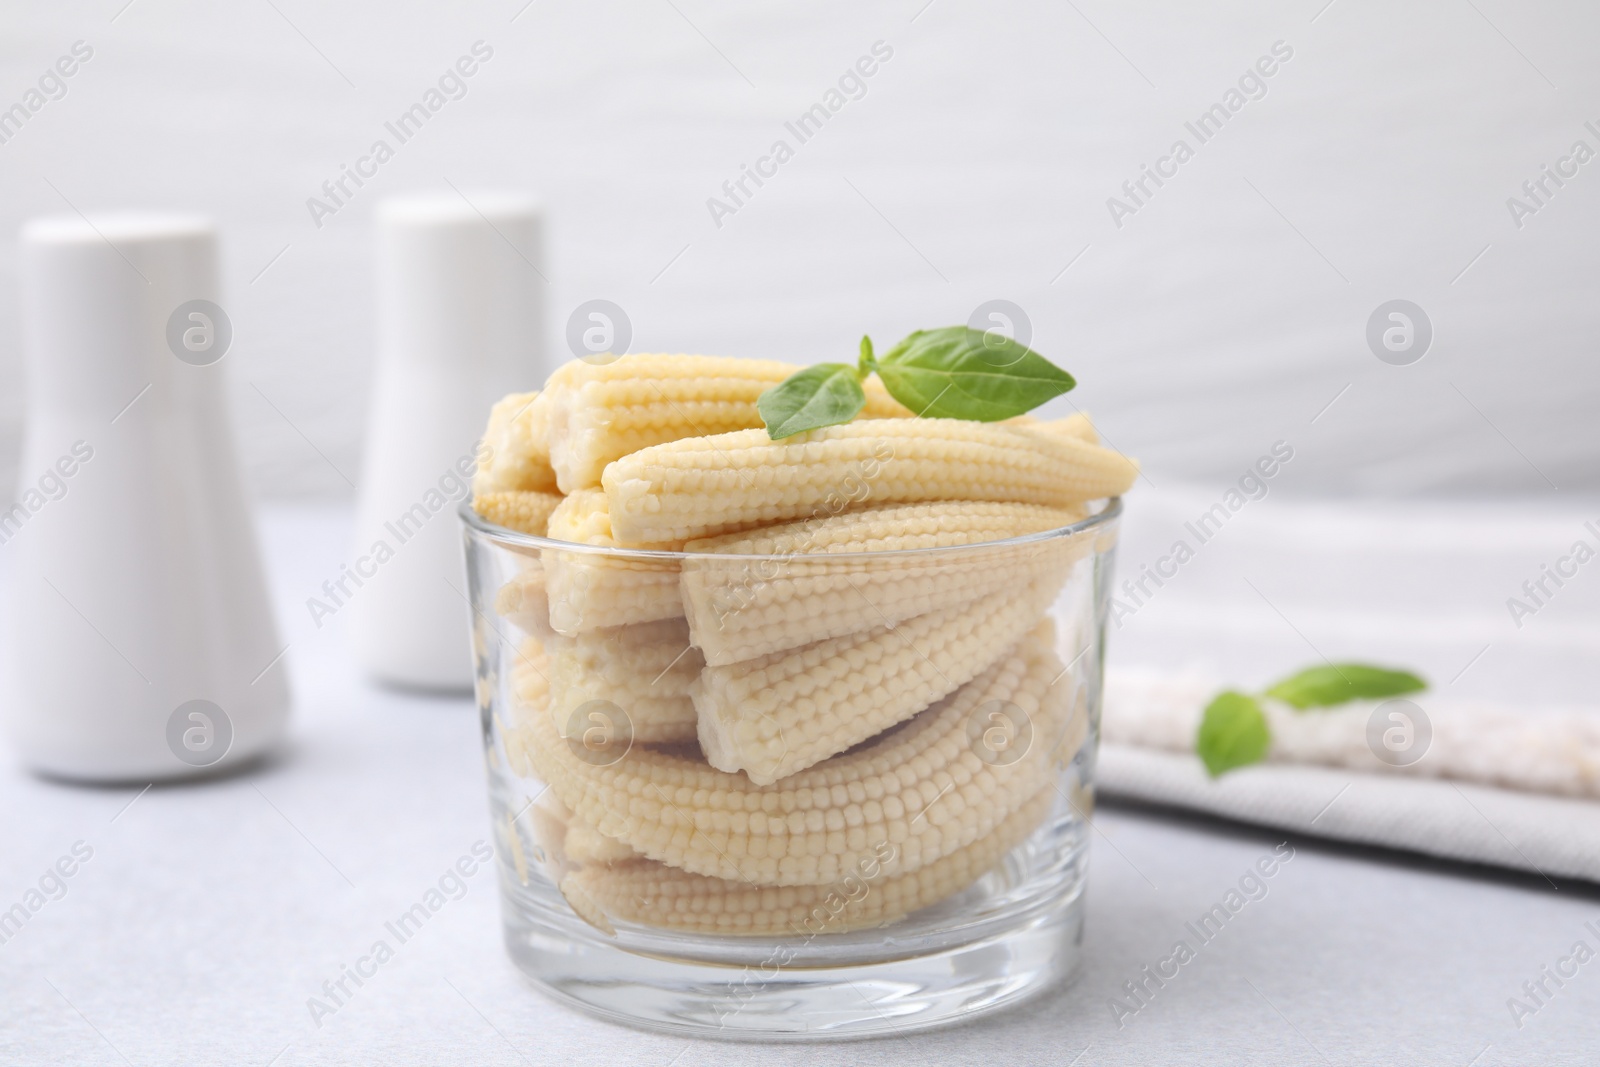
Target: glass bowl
896, 837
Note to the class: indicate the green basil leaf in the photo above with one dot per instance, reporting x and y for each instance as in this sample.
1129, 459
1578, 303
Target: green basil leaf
1233, 733
957, 372
1330, 685
867, 363
824, 395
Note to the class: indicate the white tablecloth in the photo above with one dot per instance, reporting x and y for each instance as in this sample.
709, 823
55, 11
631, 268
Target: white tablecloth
209, 913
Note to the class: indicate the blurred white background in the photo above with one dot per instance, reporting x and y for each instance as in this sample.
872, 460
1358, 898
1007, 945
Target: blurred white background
1225, 315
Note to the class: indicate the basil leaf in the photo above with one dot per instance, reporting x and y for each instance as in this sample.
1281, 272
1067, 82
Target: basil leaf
867, 363
1340, 683
824, 395
957, 372
1233, 733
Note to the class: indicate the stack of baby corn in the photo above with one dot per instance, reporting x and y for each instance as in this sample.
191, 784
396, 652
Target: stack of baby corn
774, 718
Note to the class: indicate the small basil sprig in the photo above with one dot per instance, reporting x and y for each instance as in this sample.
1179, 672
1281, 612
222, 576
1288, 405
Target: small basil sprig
1233, 733
822, 395
954, 372
1329, 685
1233, 730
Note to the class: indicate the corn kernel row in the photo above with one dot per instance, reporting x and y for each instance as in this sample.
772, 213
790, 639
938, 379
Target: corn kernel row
523, 510
613, 887
778, 714
702, 486
743, 608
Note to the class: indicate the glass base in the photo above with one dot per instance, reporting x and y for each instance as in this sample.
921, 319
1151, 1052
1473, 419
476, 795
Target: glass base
899, 988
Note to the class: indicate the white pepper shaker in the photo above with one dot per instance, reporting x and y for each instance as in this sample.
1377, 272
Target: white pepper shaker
460, 324
140, 637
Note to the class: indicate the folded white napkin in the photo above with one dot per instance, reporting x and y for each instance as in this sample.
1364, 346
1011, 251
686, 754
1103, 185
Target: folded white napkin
1508, 788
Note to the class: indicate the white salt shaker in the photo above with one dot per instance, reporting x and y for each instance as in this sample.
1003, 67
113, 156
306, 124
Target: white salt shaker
460, 324
140, 639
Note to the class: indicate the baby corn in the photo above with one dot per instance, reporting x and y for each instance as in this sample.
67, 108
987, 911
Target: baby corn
602, 412
645, 892
782, 688
702, 486
522, 602
588, 591
515, 453
532, 691
645, 670
924, 788
530, 677
745, 608
586, 845
524, 510
778, 714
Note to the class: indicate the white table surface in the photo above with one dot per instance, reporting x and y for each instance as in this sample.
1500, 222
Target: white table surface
210, 912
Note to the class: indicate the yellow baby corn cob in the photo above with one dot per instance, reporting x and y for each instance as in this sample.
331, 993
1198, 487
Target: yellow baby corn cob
530, 675
598, 413
547, 822
524, 510
745, 608
701, 486
522, 602
589, 591
569, 842
644, 669
518, 455
649, 893
586, 845
924, 788
601, 412
778, 714
583, 518
532, 691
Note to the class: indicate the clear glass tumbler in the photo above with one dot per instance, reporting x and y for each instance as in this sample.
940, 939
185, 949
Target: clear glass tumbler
798, 794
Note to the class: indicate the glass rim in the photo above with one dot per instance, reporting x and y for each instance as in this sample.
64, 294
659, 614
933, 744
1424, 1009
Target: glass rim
481, 527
